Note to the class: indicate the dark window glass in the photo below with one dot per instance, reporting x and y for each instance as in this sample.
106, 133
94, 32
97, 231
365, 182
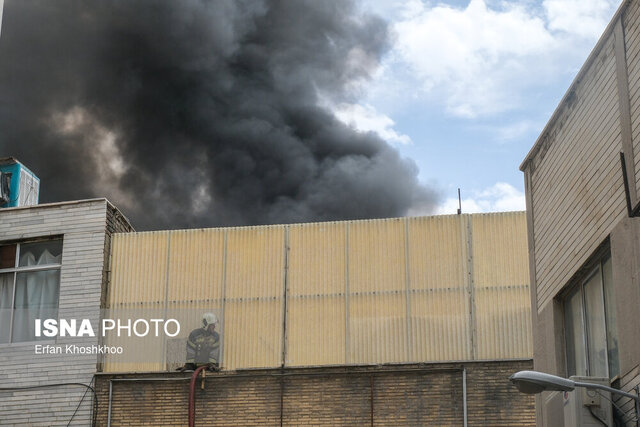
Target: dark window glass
7, 256
40, 253
574, 334
596, 335
590, 322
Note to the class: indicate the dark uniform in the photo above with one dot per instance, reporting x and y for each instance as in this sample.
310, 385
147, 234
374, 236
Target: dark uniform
203, 347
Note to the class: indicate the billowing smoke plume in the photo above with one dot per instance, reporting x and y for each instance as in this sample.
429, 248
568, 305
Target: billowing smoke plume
199, 112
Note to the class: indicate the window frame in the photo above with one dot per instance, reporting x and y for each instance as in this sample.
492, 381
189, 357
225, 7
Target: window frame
593, 268
27, 269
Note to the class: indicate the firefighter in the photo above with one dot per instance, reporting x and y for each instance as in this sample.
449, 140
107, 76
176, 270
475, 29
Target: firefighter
203, 345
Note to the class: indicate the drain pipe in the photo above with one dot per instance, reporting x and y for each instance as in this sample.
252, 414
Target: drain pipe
192, 396
110, 397
464, 394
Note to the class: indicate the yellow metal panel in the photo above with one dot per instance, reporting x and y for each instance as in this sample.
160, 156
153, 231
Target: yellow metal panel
501, 286
138, 268
378, 328
196, 265
500, 251
377, 260
138, 280
255, 262
440, 311
437, 252
253, 333
316, 294
254, 297
244, 270
377, 292
135, 350
440, 325
316, 331
503, 323
317, 259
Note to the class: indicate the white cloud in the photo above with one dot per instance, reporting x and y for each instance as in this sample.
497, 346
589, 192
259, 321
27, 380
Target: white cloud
481, 58
365, 118
512, 130
584, 18
501, 197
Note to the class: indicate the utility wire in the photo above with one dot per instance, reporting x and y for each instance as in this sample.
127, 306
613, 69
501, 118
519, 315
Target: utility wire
624, 415
87, 388
78, 406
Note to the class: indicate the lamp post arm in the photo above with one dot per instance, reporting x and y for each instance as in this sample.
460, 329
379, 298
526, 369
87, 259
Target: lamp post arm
609, 389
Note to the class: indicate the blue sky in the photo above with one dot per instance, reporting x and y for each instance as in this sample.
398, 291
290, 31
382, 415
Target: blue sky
468, 86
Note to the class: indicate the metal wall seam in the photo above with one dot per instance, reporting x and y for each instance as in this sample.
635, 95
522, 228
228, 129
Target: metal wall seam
347, 344
285, 284
166, 299
224, 298
471, 286
407, 273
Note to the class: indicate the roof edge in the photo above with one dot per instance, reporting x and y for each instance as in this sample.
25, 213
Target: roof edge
338, 222
56, 204
587, 64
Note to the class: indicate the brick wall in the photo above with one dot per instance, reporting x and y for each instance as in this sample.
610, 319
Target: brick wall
402, 395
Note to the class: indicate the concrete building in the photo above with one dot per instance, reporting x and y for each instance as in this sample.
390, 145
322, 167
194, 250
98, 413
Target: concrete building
53, 261
584, 244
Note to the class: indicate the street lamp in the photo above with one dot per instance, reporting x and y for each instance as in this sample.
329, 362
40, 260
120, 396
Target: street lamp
533, 382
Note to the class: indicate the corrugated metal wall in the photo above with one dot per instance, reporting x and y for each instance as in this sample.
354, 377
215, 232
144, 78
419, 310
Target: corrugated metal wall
427, 289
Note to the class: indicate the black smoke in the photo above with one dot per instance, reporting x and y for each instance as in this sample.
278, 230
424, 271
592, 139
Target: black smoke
200, 112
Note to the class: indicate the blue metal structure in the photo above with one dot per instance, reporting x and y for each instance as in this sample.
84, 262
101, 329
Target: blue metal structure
24, 185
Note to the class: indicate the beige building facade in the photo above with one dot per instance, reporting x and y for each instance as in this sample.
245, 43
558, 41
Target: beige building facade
583, 244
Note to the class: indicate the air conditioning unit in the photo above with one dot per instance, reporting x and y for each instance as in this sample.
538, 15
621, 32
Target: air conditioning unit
584, 407
5, 186
18, 185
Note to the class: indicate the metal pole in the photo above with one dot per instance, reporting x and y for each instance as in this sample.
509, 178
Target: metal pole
464, 395
281, 401
637, 404
371, 387
110, 394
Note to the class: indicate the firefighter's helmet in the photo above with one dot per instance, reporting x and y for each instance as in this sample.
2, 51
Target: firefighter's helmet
209, 319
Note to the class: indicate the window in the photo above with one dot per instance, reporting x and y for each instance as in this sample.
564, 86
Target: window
29, 287
590, 325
